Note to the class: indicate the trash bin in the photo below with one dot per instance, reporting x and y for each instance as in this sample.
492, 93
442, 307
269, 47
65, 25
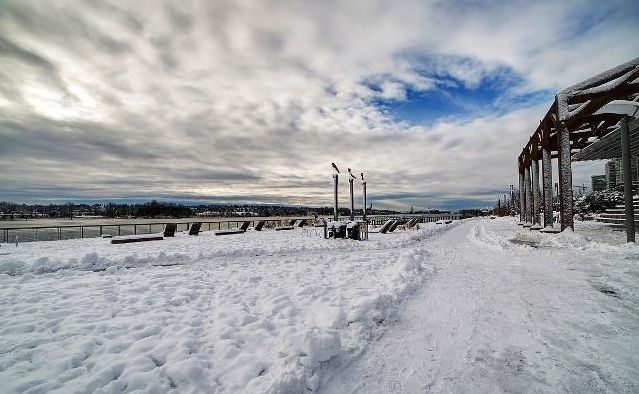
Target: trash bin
352, 230
336, 230
340, 231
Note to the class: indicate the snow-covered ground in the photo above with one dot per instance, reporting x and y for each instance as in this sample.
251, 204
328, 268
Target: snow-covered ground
255, 312
479, 305
509, 310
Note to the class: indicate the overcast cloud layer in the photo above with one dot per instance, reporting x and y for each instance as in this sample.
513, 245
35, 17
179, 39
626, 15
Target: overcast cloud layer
252, 100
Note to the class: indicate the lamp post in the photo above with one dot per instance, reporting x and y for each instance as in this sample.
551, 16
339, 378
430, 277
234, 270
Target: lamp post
351, 177
512, 198
364, 195
335, 204
629, 110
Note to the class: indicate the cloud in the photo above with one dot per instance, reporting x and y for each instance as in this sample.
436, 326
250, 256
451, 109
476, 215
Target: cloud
252, 101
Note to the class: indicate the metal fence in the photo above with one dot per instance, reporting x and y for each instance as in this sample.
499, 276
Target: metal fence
427, 218
52, 233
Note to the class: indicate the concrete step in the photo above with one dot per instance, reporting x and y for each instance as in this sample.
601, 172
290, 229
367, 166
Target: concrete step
616, 217
620, 221
620, 227
607, 215
618, 210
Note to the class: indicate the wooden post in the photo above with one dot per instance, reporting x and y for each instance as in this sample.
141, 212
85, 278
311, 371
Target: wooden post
627, 179
547, 182
565, 177
536, 219
528, 203
522, 196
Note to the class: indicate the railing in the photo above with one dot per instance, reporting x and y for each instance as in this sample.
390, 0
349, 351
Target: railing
378, 220
52, 233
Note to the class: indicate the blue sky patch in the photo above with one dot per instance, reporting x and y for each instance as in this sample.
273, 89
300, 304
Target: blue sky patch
494, 95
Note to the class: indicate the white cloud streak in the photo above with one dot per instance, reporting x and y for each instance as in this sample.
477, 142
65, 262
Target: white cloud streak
254, 99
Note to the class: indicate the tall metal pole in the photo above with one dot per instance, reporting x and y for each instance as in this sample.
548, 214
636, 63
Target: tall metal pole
511, 205
350, 185
335, 215
505, 205
627, 179
364, 192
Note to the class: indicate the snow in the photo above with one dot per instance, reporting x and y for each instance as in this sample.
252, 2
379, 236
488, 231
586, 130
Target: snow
473, 306
511, 310
256, 312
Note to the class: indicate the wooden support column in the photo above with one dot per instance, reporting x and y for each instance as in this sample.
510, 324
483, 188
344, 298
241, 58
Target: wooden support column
534, 166
546, 163
522, 195
565, 178
528, 204
531, 205
627, 179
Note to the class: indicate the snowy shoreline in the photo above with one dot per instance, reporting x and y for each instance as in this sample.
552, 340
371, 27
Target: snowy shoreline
258, 312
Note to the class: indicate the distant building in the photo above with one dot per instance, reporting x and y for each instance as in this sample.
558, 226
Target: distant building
611, 175
614, 172
598, 183
634, 166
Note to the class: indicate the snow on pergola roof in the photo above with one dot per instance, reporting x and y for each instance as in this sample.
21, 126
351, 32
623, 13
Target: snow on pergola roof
575, 108
609, 146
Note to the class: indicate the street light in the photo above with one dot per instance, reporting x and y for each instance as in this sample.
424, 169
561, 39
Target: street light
350, 185
335, 202
364, 195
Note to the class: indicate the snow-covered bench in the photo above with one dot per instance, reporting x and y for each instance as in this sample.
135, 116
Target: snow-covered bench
240, 230
136, 238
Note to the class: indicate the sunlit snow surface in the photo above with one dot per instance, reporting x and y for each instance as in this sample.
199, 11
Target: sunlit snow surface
462, 308
255, 312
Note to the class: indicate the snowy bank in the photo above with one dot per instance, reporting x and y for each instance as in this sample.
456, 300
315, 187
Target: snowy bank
256, 312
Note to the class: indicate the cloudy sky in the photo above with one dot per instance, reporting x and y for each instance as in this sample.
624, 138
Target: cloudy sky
232, 101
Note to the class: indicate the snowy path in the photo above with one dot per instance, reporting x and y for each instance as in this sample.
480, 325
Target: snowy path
498, 317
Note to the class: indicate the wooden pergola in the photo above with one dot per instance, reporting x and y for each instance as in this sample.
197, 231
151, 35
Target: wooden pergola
570, 125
